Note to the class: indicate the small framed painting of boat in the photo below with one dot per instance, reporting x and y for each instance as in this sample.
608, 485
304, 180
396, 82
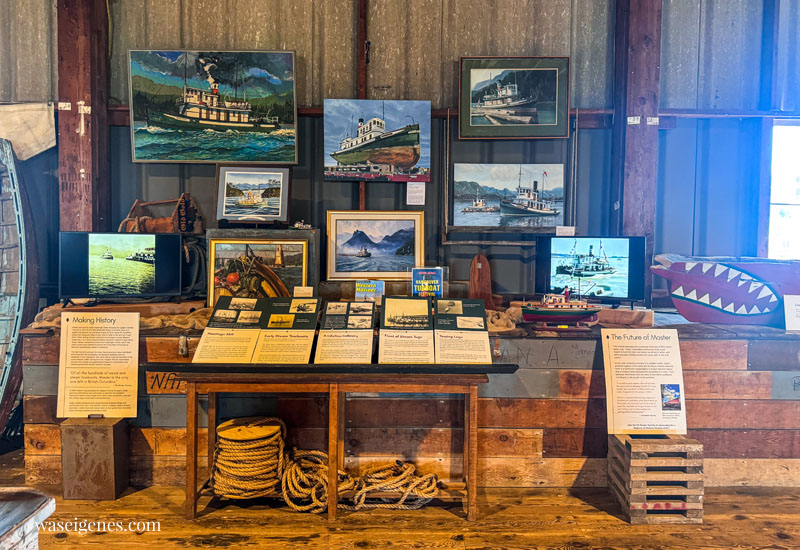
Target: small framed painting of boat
508, 197
213, 107
382, 245
376, 140
513, 97
252, 194
252, 267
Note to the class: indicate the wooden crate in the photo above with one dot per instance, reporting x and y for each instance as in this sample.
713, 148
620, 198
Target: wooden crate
657, 479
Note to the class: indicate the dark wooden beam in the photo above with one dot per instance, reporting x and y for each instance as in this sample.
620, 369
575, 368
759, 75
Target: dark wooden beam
638, 120
84, 191
362, 43
621, 22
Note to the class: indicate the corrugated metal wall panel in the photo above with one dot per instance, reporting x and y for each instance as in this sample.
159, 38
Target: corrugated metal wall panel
321, 32
788, 62
711, 54
416, 44
28, 50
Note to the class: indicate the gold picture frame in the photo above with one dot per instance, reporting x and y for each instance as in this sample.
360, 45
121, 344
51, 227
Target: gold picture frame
358, 240
262, 274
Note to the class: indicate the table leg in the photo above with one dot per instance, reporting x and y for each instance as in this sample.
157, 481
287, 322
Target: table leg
212, 429
340, 435
472, 454
333, 450
190, 505
465, 466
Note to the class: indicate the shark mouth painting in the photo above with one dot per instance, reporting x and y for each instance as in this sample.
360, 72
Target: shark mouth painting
729, 290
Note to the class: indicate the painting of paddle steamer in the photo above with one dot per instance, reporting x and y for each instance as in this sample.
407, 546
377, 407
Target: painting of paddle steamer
389, 142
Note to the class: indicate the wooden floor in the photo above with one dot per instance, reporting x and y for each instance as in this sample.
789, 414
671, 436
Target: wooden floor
508, 518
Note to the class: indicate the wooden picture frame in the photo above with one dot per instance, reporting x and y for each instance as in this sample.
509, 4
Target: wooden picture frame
298, 251
389, 242
191, 106
513, 97
250, 205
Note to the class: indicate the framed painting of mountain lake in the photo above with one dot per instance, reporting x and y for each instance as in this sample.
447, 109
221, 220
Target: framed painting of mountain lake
513, 97
507, 197
213, 107
376, 140
252, 194
374, 244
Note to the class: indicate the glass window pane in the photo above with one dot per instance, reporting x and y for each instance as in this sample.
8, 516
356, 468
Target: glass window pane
785, 186
784, 226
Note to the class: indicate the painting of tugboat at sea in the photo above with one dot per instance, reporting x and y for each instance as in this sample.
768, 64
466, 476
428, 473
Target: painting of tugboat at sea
513, 97
193, 106
589, 265
252, 194
375, 140
374, 245
122, 265
508, 195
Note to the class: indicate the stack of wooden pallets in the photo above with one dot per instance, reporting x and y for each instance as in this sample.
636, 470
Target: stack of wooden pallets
657, 479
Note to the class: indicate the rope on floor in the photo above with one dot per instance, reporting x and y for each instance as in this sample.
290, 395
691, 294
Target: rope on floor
250, 462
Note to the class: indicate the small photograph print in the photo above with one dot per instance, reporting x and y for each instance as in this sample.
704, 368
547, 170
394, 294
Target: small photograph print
242, 303
405, 313
281, 320
249, 317
670, 397
470, 322
225, 315
336, 308
449, 307
308, 305
334, 321
359, 321
361, 308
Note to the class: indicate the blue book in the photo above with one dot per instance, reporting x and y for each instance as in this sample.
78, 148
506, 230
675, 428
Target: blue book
427, 281
369, 291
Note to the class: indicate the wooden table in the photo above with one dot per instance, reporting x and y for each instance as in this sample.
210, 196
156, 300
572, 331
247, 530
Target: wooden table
212, 380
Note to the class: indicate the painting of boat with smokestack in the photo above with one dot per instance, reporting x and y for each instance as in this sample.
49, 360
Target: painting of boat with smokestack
193, 106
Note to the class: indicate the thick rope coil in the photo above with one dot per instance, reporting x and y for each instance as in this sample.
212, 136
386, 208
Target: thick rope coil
253, 468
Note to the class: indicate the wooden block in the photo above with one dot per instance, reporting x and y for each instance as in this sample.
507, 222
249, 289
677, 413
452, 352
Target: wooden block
623, 317
744, 414
142, 441
552, 353
574, 442
748, 443
162, 470
781, 355
94, 458
40, 348
771, 472
39, 409
785, 385
42, 470
42, 439
39, 379
728, 384
714, 354
165, 349
542, 413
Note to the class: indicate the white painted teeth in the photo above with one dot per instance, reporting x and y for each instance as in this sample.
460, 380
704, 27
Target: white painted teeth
720, 269
706, 267
717, 303
764, 292
692, 295
690, 265
754, 309
703, 299
678, 291
741, 282
772, 299
742, 310
729, 307
754, 287
732, 274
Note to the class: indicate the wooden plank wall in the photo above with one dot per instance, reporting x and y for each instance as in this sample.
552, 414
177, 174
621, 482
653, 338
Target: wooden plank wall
543, 427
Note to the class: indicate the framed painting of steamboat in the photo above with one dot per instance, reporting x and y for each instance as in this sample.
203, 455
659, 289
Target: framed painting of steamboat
507, 197
213, 107
376, 140
252, 194
513, 97
375, 244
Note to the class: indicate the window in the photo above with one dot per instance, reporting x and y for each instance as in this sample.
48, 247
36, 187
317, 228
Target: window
784, 207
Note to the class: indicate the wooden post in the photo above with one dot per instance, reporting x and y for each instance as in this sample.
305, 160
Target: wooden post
84, 190
640, 119
361, 79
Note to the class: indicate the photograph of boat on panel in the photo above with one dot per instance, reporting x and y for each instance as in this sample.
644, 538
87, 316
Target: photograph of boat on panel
252, 194
225, 106
376, 140
374, 244
121, 264
589, 266
508, 195
514, 97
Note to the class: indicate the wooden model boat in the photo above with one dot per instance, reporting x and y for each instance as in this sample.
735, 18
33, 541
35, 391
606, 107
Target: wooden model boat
554, 308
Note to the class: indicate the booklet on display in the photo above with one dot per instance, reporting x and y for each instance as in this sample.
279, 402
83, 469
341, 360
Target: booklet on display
406, 334
346, 333
461, 333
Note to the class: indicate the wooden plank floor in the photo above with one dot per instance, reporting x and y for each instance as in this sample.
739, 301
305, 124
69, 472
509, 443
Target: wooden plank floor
765, 518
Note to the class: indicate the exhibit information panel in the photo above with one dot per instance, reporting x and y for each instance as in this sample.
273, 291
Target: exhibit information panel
98, 365
460, 332
288, 330
406, 334
791, 308
345, 334
644, 381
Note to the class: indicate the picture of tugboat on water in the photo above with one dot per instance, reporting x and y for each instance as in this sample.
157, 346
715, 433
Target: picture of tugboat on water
375, 140
121, 264
406, 313
512, 97
596, 266
252, 194
508, 195
193, 106
374, 245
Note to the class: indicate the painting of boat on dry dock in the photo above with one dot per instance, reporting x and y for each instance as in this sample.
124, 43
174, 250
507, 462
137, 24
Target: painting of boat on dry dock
194, 106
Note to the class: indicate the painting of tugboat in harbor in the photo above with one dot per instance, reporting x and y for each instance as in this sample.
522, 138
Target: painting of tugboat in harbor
508, 195
375, 140
251, 194
193, 106
373, 245
590, 266
514, 97
122, 265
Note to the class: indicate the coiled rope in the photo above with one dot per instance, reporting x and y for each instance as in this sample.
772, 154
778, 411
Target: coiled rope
250, 461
